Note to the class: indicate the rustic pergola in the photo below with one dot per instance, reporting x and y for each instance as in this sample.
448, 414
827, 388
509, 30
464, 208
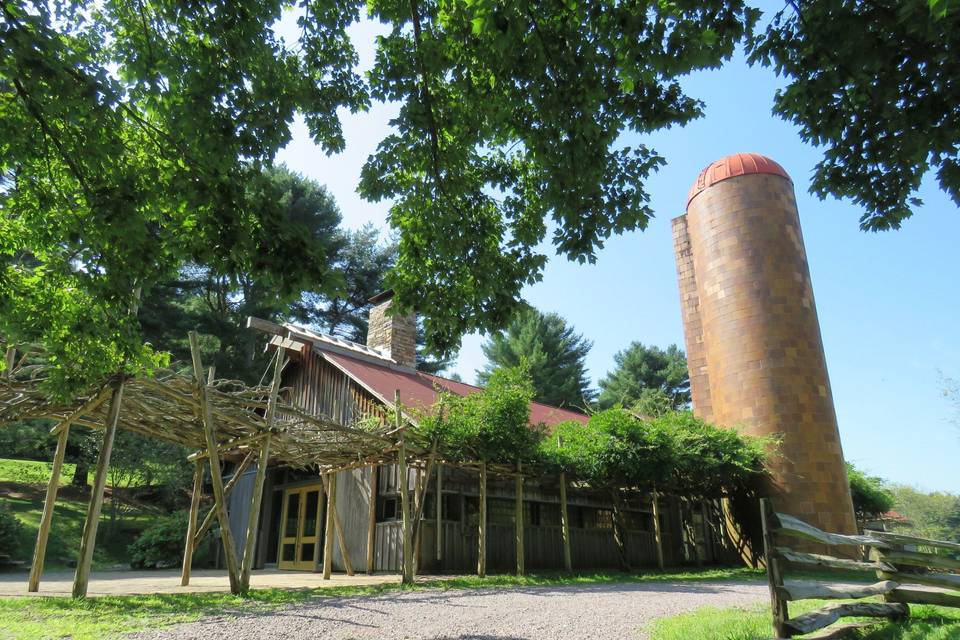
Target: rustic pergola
227, 419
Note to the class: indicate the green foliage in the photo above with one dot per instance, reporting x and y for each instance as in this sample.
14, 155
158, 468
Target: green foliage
886, 117
931, 515
871, 498
492, 425
11, 530
675, 452
500, 128
649, 377
554, 353
161, 544
134, 140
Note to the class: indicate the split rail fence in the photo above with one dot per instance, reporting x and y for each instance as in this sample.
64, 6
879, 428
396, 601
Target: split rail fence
900, 563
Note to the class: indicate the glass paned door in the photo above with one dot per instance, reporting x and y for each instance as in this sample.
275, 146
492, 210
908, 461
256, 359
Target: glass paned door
301, 528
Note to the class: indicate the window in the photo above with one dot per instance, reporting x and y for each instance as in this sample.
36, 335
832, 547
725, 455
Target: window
451, 507
500, 511
389, 509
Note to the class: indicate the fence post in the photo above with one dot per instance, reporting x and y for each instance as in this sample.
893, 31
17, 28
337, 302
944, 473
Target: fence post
774, 577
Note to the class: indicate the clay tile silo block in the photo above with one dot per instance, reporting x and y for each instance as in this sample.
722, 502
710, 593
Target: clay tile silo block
752, 334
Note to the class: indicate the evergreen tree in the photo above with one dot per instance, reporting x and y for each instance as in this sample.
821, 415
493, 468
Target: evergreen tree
554, 352
647, 376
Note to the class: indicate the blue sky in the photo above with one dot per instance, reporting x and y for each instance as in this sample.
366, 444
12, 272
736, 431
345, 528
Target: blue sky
888, 302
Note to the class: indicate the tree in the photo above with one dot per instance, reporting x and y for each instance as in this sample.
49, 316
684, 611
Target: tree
886, 118
647, 376
871, 498
217, 304
553, 351
930, 515
133, 142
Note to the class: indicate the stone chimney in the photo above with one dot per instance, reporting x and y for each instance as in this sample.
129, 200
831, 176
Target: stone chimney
393, 335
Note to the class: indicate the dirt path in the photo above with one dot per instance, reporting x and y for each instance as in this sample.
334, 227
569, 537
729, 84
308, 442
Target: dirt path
564, 612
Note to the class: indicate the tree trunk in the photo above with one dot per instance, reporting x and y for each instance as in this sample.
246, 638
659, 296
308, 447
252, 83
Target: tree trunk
80, 474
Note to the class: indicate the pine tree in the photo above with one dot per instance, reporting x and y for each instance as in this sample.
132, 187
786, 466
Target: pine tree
554, 352
647, 376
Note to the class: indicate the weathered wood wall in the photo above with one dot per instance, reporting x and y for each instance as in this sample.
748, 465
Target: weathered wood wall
320, 388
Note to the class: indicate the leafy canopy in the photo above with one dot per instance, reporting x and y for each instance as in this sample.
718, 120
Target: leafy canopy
554, 354
871, 498
874, 82
652, 377
675, 452
492, 425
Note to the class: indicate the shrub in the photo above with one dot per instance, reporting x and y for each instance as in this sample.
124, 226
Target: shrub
11, 530
870, 497
161, 544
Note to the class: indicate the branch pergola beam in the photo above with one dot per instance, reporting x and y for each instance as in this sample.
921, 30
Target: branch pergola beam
404, 479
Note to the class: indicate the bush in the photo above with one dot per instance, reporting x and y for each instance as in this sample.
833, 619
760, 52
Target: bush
870, 497
11, 530
161, 544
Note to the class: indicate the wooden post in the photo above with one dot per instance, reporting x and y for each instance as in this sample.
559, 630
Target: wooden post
439, 515
89, 538
328, 533
482, 525
253, 520
189, 545
338, 527
657, 530
404, 499
620, 530
774, 575
518, 489
565, 524
372, 521
43, 533
216, 479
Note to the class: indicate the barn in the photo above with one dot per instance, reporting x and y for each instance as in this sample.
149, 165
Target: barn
348, 382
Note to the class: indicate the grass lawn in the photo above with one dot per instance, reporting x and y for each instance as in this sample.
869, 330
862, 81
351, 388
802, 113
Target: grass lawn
23, 490
111, 616
925, 622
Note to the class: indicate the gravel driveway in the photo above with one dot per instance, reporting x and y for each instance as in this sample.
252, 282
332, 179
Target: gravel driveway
593, 611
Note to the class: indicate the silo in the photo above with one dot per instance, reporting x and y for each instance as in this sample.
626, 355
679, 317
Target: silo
752, 333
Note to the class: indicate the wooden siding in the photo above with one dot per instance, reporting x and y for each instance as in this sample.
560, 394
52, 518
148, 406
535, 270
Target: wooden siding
353, 500
321, 389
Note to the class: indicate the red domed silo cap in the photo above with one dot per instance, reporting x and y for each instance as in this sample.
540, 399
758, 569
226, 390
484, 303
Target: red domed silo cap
738, 164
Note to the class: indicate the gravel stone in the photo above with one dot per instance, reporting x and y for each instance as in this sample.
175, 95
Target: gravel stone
555, 612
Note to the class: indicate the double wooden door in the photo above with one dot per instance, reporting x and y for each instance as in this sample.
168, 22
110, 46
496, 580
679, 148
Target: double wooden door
300, 534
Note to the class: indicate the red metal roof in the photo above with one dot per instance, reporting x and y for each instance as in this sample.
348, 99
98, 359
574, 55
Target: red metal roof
420, 390
738, 164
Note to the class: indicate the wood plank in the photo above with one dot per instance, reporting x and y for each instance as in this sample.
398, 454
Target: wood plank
259, 324
826, 591
845, 630
825, 616
482, 524
795, 527
372, 520
945, 580
921, 596
829, 562
216, 479
565, 524
657, 532
439, 514
407, 560
778, 605
518, 515
899, 538
46, 518
915, 559
189, 543
330, 483
89, 538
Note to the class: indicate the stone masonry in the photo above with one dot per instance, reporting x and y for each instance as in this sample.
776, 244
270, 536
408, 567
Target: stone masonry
752, 334
394, 335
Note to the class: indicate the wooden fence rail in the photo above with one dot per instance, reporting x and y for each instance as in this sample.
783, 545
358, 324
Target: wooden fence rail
895, 559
